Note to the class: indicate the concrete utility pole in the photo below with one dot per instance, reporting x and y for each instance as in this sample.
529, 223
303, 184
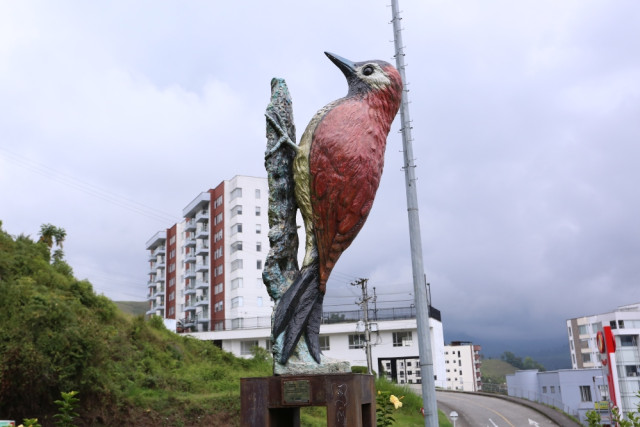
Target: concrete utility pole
367, 330
415, 239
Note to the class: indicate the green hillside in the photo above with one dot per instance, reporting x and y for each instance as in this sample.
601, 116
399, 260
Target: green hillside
57, 335
494, 371
133, 307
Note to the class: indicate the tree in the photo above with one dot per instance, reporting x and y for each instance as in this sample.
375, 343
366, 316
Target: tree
50, 233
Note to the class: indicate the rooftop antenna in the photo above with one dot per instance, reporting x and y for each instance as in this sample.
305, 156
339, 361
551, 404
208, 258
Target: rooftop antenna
419, 278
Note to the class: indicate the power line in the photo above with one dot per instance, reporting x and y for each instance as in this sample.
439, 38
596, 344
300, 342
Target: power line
87, 188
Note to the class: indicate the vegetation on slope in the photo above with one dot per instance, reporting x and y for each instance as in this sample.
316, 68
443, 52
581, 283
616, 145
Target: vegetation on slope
57, 335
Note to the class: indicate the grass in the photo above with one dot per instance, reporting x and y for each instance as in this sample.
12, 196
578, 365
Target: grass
494, 371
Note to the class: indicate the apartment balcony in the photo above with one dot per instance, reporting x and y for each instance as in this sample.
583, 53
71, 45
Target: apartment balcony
158, 239
202, 284
190, 225
202, 300
203, 317
200, 267
151, 296
202, 215
190, 322
202, 248
160, 291
190, 305
190, 241
190, 273
190, 257
202, 233
200, 203
160, 279
190, 290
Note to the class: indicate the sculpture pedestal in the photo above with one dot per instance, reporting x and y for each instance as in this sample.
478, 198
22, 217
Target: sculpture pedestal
276, 401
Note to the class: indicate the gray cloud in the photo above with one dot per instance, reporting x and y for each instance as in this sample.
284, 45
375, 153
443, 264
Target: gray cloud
524, 120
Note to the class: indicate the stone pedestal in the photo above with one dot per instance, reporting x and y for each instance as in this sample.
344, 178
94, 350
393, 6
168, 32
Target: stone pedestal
276, 401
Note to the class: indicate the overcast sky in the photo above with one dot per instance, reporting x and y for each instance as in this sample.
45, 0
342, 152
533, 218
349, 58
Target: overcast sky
526, 126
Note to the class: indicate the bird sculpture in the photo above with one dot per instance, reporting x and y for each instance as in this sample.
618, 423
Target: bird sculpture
336, 171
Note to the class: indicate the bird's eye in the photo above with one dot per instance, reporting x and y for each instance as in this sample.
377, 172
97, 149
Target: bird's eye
368, 70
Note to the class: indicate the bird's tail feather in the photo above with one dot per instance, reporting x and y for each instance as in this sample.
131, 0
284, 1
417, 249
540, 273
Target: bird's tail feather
297, 311
313, 329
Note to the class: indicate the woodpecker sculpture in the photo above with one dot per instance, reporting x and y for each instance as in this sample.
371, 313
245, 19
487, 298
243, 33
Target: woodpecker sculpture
336, 171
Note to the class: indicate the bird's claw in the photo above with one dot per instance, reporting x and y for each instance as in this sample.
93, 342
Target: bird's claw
284, 136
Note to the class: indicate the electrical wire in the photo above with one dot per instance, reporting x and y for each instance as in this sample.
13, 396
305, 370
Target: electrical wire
87, 188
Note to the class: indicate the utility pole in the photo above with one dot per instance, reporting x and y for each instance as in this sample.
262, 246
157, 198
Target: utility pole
415, 239
367, 330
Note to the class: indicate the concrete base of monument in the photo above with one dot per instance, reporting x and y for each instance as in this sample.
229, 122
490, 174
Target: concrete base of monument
307, 365
350, 399
302, 363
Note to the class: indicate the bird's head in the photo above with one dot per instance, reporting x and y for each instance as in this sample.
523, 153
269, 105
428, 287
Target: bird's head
364, 77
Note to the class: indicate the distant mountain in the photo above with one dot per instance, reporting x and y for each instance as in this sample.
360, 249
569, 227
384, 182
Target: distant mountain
133, 307
552, 353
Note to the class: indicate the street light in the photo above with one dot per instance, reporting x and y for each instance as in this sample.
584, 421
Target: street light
454, 416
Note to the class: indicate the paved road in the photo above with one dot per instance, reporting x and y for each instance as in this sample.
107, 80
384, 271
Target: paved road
486, 411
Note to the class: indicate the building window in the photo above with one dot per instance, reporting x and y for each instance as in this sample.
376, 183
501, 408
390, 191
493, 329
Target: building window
259, 302
257, 193
236, 246
553, 389
631, 370
585, 393
217, 236
236, 302
218, 288
257, 210
236, 265
218, 306
628, 340
259, 282
237, 323
324, 343
217, 202
258, 246
259, 264
402, 339
258, 228
583, 329
217, 253
217, 271
236, 283
219, 326
236, 192
586, 358
356, 341
217, 220
236, 210
236, 228
246, 347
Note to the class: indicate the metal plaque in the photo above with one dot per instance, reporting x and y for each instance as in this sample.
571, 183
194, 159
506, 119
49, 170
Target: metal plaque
296, 392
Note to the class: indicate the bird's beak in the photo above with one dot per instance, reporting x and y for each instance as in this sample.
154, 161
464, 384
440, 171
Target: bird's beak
346, 66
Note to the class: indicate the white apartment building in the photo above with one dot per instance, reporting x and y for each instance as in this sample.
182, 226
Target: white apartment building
205, 279
462, 365
625, 327
394, 341
206, 271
